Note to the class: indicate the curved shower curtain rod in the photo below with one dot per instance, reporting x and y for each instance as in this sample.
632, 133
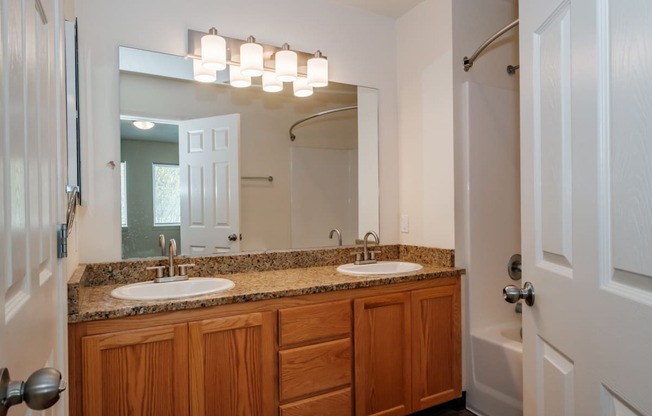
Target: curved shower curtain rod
468, 62
323, 113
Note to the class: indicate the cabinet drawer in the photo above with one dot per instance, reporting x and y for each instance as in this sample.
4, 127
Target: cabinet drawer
337, 403
314, 322
314, 368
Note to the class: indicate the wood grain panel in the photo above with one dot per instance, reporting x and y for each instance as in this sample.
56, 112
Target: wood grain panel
337, 403
436, 346
231, 365
136, 373
314, 368
314, 322
382, 355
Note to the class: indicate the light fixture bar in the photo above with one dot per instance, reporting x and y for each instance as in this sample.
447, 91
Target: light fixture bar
233, 52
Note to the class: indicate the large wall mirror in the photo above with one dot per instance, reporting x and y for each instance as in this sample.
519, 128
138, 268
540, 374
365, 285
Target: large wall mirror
219, 172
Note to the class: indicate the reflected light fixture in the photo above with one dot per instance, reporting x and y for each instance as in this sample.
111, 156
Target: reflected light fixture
251, 58
201, 73
143, 124
301, 87
213, 51
318, 71
286, 64
270, 83
237, 79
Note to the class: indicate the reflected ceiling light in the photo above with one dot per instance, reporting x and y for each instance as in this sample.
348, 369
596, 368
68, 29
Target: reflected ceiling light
301, 87
270, 83
237, 79
251, 58
286, 64
318, 71
201, 73
213, 51
143, 124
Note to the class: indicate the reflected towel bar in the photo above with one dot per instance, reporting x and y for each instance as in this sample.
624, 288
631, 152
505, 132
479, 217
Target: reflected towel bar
265, 178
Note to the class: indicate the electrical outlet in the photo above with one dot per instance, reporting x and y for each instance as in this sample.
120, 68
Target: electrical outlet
405, 223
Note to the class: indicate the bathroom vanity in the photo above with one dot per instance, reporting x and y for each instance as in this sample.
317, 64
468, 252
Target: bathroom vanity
301, 341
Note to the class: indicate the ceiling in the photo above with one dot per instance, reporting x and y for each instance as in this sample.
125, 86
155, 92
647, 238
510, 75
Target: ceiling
390, 8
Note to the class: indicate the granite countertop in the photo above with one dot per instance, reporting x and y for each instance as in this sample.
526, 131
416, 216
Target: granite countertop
95, 302
257, 276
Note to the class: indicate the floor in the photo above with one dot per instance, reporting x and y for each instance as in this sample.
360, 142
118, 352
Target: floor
447, 409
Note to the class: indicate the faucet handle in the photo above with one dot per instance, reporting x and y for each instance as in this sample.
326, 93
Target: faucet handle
372, 254
159, 270
183, 267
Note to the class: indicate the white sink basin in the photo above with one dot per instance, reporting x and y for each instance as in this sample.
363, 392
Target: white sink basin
171, 290
382, 267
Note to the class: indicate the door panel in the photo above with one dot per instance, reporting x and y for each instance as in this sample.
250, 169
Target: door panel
32, 312
587, 337
210, 181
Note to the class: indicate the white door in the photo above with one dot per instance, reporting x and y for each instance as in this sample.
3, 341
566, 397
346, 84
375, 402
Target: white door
32, 286
586, 109
210, 185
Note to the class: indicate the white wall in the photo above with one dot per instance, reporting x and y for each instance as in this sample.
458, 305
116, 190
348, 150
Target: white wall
359, 45
425, 121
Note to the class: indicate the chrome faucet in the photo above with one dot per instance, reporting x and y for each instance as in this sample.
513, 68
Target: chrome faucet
172, 276
339, 236
172, 251
367, 256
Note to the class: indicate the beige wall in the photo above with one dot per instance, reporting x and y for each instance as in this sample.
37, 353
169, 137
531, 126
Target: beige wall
359, 45
425, 120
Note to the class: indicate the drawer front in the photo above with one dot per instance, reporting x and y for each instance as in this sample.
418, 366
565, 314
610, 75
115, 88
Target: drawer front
337, 403
315, 322
314, 368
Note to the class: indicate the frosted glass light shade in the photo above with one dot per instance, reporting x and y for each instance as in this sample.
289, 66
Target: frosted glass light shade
213, 51
201, 73
143, 124
301, 87
286, 64
318, 71
236, 79
270, 83
251, 58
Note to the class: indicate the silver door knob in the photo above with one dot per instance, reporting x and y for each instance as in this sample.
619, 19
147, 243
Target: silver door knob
513, 294
233, 237
41, 390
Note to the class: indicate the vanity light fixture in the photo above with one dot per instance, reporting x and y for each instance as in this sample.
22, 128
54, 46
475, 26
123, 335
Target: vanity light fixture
143, 124
251, 58
301, 87
318, 70
213, 51
286, 64
237, 78
201, 73
248, 58
270, 83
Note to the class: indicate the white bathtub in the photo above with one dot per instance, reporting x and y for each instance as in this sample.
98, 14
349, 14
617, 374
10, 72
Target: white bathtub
497, 364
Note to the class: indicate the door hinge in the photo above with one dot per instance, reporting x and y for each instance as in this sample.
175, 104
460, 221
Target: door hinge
62, 241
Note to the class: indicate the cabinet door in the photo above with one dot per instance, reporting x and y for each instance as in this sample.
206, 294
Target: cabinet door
436, 346
382, 355
133, 373
232, 366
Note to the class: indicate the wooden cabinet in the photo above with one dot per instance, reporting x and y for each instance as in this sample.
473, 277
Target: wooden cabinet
436, 346
212, 367
315, 360
407, 350
384, 350
231, 365
134, 373
382, 355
